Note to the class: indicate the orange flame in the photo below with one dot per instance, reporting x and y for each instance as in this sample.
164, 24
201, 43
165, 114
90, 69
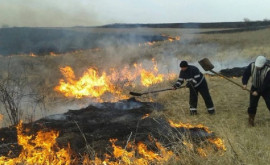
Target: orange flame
42, 149
39, 149
169, 38
202, 152
32, 55
53, 54
90, 84
95, 85
1, 119
145, 116
149, 77
189, 126
134, 154
218, 143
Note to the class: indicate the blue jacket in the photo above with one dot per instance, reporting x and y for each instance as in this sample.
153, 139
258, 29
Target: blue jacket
192, 75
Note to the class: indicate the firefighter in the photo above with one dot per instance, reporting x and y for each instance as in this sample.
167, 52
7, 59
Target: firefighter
260, 73
196, 84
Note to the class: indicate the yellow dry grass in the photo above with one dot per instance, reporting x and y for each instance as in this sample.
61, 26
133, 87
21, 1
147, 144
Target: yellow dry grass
244, 145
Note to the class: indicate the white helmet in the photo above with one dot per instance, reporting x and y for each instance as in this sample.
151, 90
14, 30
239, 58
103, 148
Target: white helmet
260, 61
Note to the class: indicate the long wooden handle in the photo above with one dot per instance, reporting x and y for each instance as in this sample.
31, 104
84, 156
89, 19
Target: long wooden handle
167, 89
158, 91
229, 80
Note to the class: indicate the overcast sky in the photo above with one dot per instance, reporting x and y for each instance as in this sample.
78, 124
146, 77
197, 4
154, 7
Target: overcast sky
51, 13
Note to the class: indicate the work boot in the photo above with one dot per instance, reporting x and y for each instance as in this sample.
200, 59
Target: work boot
251, 120
211, 112
193, 113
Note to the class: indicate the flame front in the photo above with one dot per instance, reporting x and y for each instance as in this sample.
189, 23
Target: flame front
145, 116
149, 77
133, 154
1, 119
218, 142
41, 149
90, 84
167, 38
53, 54
95, 85
32, 55
171, 38
189, 126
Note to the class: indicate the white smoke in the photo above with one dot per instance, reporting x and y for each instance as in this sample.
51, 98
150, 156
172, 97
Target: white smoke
44, 71
49, 13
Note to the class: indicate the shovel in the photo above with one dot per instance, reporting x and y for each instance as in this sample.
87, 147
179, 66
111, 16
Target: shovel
139, 94
208, 66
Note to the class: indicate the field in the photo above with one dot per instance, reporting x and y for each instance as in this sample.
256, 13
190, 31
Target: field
37, 76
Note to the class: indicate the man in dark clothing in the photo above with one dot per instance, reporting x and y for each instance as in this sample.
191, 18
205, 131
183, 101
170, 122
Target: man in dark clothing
260, 73
196, 83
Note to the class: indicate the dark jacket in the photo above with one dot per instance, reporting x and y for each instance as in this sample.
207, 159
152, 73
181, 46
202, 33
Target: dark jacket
192, 75
260, 78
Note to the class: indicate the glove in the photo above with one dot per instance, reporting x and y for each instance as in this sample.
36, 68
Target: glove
189, 85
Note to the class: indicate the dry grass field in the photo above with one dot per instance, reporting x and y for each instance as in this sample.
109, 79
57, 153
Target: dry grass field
244, 145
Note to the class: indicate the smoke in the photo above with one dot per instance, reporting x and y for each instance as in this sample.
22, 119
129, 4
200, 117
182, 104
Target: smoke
121, 105
49, 13
118, 48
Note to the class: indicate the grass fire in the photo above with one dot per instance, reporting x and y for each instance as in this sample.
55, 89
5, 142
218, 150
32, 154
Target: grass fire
108, 98
94, 84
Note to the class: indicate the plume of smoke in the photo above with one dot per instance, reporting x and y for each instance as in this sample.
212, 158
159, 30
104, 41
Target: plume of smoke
50, 13
118, 48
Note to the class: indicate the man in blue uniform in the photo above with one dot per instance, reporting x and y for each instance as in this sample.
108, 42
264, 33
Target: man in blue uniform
196, 84
260, 73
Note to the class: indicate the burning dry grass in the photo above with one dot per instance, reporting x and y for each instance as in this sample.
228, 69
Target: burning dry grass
40, 149
244, 145
94, 85
43, 149
1, 119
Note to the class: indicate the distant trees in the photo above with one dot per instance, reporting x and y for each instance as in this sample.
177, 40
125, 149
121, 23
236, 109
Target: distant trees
247, 20
5, 26
258, 23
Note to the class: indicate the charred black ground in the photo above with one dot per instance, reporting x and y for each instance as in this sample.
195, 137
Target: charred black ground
233, 72
42, 41
122, 120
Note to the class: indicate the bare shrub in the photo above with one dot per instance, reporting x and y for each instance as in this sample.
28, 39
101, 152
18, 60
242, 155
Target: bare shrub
16, 91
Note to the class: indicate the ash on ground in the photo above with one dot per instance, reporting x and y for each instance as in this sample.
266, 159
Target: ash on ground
96, 125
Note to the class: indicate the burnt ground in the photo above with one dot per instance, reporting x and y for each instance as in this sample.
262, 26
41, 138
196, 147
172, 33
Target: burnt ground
100, 123
42, 41
236, 71
233, 72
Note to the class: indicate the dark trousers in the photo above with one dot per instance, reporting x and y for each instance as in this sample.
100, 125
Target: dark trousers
204, 91
253, 101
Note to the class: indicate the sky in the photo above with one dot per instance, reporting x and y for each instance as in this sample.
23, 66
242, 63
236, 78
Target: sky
65, 13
